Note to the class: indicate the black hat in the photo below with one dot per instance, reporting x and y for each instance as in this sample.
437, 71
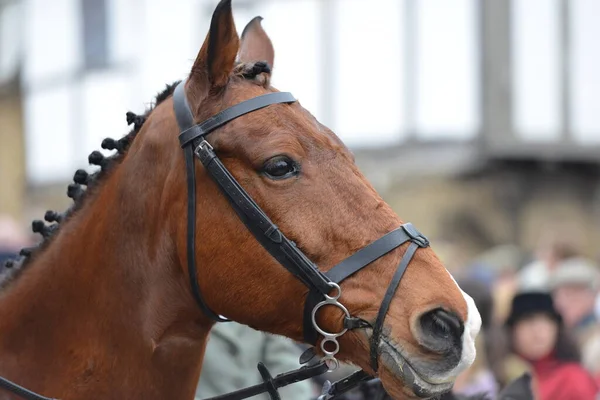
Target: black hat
526, 304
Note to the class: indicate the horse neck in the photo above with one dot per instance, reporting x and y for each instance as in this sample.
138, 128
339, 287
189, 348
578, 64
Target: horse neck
104, 310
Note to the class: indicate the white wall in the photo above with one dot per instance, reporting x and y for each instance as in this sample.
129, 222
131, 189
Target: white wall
11, 39
154, 42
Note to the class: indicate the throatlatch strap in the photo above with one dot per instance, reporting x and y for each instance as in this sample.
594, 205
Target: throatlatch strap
185, 118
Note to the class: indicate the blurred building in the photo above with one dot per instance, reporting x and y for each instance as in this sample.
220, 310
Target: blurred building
478, 120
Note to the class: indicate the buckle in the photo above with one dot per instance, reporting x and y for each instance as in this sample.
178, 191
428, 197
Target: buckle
205, 152
415, 236
203, 146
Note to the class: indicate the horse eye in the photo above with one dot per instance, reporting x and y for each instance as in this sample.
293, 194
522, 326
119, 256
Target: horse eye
280, 167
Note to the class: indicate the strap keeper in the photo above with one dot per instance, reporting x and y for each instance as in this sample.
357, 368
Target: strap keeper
274, 234
191, 134
415, 236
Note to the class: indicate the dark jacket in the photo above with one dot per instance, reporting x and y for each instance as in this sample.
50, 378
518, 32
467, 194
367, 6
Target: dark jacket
519, 389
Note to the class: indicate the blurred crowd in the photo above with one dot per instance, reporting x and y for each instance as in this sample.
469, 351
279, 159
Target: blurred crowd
13, 237
540, 319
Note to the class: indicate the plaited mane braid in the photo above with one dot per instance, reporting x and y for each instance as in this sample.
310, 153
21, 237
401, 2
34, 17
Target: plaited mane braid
258, 72
76, 190
254, 71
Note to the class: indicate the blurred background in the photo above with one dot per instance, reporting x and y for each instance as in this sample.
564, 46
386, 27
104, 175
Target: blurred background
477, 120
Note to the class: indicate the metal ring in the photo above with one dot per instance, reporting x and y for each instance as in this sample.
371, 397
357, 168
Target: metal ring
328, 335
328, 352
336, 287
328, 360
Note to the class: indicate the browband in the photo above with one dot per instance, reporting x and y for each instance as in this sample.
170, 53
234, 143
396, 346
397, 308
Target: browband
231, 113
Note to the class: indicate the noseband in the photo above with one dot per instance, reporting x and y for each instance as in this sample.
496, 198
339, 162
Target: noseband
324, 287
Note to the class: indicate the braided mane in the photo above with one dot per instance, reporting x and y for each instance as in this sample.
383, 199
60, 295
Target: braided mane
79, 190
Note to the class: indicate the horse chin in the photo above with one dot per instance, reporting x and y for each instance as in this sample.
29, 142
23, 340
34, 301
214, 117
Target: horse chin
401, 380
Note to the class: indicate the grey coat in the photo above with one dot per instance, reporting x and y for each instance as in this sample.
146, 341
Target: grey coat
232, 353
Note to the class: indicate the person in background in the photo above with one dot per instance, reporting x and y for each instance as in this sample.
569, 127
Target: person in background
537, 335
552, 248
480, 377
574, 284
497, 267
12, 238
520, 388
231, 356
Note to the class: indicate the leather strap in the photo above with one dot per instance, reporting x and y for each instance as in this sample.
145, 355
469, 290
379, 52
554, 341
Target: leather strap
185, 118
191, 236
331, 391
267, 233
387, 300
21, 391
263, 229
269, 382
256, 103
353, 264
281, 380
183, 112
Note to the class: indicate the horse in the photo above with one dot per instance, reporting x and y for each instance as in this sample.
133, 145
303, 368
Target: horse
111, 304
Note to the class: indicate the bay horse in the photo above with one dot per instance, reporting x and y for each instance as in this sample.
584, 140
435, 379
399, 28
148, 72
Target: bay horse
108, 308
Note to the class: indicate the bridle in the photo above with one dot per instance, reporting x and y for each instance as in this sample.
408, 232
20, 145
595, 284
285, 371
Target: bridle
192, 139
320, 284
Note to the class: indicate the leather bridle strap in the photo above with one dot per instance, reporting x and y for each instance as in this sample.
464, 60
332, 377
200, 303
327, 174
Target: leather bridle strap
332, 390
387, 300
355, 263
406, 233
270, 384
265, 231
192, 140
21, 391
185, 118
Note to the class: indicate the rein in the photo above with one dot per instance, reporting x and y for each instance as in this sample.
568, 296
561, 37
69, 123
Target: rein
192, 139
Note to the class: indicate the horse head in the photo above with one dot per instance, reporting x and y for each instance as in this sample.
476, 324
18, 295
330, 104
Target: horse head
301, 174
358, 282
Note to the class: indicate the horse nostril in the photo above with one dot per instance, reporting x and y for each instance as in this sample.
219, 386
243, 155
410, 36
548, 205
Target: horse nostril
442, 325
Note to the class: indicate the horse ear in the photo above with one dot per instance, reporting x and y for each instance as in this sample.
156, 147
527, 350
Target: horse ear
256, 44
216, 58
